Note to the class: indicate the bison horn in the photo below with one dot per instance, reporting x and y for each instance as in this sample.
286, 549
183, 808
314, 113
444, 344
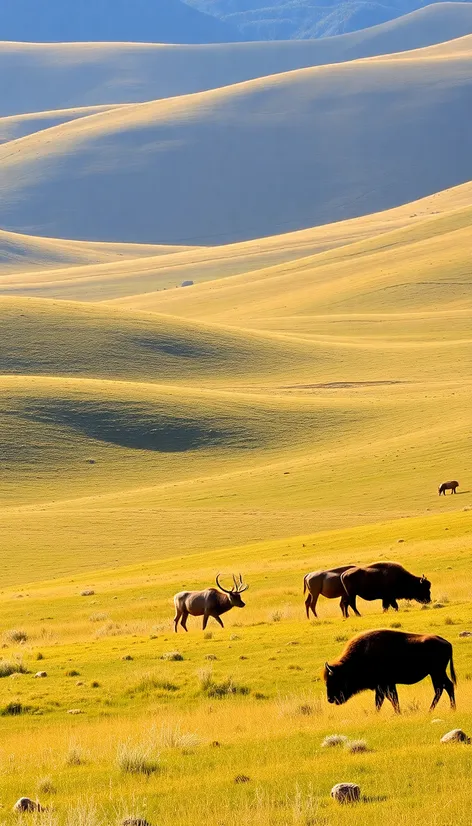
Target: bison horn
329, 669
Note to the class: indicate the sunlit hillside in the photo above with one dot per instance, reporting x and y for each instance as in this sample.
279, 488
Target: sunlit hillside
180, 406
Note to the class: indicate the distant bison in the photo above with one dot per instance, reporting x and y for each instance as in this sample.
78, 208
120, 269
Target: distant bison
327, 584
387, 581
378, 660
448, 486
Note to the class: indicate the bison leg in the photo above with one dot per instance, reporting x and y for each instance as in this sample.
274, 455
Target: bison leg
344, 606
440, 683
393, 697
379, 698
385, 605
394, 604
354, 607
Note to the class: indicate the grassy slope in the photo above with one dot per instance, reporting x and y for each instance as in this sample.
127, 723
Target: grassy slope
113, 73
74, 180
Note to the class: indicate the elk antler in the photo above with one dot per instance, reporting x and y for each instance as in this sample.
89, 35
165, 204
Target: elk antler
241, 587
221, 587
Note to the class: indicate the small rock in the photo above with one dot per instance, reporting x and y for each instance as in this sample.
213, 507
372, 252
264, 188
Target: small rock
436, 720
215, 744
465, 634
25, 804
357, 746
127, 657
40, 674
87, 592
75, 711
455, 736
346, 792
80, 682
400, 540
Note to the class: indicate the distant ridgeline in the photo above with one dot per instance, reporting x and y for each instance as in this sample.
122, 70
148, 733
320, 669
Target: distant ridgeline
157, 21
299, 19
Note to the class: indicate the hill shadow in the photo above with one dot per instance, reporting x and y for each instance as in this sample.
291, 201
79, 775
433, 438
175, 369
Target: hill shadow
138, 427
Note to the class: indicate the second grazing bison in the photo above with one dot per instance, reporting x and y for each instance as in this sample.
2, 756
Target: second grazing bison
378, 660
387, 581
452, 486
327, 584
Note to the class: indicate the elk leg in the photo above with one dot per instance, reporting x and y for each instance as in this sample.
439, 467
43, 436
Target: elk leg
184, 619
308, 606
379, 697
178, 614
393, 697
206, 617
218, 619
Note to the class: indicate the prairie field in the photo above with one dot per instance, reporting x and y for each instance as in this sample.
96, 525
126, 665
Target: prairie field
294, 408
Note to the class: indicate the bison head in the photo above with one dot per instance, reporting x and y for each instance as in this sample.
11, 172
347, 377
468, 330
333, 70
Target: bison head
422, 591
337, 689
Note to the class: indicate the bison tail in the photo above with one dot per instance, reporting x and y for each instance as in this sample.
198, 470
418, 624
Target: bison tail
304, 585
453, 673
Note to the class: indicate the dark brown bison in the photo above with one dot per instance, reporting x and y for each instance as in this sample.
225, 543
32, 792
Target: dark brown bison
327, 584
448, 486
378, 660
387, 581
208, 603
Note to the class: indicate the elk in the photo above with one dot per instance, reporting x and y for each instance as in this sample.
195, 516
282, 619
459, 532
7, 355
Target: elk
208, 603
327, 584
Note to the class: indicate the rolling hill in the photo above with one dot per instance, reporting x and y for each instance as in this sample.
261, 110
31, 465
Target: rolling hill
115, 73
259, 158
168, 21
285, 19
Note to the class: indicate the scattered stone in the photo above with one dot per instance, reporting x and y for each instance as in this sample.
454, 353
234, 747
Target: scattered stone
40, 674
400, 540
187, 283
80, 682
465, 634
75, 711
87, 592
127, 657
242, 778
25, 804
455, 736
346, 792
436, 720
334, 740
215, 744
211, 657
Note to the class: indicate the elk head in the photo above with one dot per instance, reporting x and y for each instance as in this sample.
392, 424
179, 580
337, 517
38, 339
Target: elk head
234, 595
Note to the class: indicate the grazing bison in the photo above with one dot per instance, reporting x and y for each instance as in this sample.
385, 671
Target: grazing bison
208, 603
378, 660
327, 584
448, 486
387, 581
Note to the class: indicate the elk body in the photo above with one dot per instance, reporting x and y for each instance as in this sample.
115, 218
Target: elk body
212, 602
